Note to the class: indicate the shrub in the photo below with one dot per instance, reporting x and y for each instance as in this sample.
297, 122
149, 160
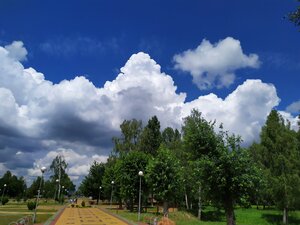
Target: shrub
31, 205
83, 203
4, 200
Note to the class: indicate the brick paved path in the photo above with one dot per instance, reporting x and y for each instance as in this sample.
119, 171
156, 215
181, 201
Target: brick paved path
87, 216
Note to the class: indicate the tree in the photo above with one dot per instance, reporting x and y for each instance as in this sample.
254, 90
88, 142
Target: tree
111, 190
58, 168
127, 176
91, 183
151, 137
230, 177
280, 157
33, 189
295, 16
163, 176
199, 139
15, 186
130, 134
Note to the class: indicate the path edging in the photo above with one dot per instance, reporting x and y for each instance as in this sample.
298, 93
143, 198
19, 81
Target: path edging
55, 217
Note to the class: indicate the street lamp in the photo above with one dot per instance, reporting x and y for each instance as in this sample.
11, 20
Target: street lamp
56, 187
140, 194
99, 195
43, 169
111, 196
4, 186
62, 194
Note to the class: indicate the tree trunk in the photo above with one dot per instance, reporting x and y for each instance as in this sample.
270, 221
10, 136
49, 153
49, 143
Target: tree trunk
230, 217
199, 204
285, 216
186, 201
166, 208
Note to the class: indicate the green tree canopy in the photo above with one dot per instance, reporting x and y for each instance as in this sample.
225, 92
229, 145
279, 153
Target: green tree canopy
151, 137
91, 184
163, 176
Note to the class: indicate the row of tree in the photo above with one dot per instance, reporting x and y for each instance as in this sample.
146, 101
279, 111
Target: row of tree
201, 165
14, 187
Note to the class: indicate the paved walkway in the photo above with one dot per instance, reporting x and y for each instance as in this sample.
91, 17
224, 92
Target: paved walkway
87, 216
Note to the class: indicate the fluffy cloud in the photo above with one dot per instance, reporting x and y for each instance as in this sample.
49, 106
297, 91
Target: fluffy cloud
16, 50
243, 111
214, 65
39, 119
294, 107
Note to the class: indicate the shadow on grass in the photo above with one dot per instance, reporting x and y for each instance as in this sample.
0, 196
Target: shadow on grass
277, 219
212, 216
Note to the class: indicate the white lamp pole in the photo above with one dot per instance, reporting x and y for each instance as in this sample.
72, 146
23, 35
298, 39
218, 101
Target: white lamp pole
4, 186
56, 187
99, 194
43, 169
111, 196
140, 195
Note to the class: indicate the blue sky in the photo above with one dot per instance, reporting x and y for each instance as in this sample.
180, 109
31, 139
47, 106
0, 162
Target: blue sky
95, 39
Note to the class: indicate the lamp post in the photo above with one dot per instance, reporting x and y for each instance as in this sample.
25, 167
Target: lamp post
111, 196
62, 194
56, 187
140, 194
4, 186
99, 195
43, 169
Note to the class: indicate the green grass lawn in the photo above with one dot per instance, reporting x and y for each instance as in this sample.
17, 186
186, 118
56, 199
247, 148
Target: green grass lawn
14, 211
250, 216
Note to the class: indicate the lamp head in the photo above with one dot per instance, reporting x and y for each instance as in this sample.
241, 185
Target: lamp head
112, 182
43, 169
141, 173
4, 185
57, 180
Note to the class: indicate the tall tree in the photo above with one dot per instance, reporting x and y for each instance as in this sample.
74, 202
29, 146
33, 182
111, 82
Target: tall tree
130, 134
58, 168
111, 187
230, 177
199, 139
163, 176
280, 157
127, 176
91, 183
14, 186
151, 137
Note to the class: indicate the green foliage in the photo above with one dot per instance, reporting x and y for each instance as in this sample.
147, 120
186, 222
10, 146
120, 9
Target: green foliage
15, 186
294, 16
4, 200
130, 134
150, 139
59, 164
92, 182
163, 176
31, 205
199, 137
127, 176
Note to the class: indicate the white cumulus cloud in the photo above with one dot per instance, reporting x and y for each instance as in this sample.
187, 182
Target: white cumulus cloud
78, 120
294, 107
214, 65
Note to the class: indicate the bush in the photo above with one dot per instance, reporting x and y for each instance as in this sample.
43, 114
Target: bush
83, 203
31, 205
4, 200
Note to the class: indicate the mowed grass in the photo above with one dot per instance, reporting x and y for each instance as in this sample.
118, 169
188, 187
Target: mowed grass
250, 216
14, 211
